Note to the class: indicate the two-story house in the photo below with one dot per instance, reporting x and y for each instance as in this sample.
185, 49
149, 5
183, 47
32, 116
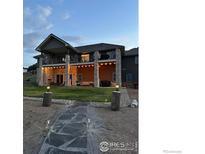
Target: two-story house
62, 64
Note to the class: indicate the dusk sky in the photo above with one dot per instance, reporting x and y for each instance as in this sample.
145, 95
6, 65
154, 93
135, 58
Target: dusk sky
79, 22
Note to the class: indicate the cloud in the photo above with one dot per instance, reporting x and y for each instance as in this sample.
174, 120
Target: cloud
74, 39
37, 19
30, 40
65, 16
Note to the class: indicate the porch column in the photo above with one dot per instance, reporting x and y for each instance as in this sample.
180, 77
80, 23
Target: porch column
118, 67
40, 72
96, 69
67, 69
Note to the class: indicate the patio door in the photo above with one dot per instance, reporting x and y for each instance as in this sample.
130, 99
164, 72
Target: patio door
59, 78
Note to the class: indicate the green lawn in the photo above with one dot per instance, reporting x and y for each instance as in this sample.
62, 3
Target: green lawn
73, 93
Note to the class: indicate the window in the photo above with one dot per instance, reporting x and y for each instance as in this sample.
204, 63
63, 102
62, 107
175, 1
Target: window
129, 77
85, 57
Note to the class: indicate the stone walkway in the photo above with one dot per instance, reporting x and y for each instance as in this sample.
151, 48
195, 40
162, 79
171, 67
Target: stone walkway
74, 132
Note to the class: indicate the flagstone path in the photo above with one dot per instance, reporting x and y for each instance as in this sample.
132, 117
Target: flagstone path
74, 132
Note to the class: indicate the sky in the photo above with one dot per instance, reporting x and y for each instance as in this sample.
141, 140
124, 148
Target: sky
79, 22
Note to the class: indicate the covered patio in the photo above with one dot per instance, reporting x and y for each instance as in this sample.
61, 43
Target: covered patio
81, 74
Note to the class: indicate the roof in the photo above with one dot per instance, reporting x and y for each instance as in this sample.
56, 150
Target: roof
80, 49
98, 47
66, 44
131, 52
37, 56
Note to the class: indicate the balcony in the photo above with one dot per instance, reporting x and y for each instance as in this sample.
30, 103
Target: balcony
107, 55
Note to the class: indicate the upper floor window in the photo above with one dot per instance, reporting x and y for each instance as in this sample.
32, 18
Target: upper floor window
85, 57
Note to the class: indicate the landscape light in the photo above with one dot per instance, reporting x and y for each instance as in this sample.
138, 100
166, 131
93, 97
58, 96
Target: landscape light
117, 87
48, 88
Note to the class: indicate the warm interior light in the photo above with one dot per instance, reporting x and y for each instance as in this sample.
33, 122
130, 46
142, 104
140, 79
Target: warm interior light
85, 57
110, 63
117, 86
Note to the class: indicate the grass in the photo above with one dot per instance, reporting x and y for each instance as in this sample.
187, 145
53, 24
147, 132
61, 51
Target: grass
72, 93
30, 89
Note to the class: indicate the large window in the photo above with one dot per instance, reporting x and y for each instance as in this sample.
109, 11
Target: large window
85, 57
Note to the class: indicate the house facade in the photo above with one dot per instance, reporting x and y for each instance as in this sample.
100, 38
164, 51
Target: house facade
96, 65
130, 68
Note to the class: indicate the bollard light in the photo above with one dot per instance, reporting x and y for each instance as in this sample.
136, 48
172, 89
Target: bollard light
117, 87
48, 88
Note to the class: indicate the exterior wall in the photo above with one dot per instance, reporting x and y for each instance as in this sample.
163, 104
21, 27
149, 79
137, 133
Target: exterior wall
106, 72
129, 66
87, 73
50, 75
53, 44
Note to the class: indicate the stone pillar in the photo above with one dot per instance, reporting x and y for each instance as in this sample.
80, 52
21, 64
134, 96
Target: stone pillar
67, 69
96, 69
40, 72
118, 67
115, 104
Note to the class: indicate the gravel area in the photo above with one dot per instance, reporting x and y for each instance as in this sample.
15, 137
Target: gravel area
122, 129
79, 129
34, 122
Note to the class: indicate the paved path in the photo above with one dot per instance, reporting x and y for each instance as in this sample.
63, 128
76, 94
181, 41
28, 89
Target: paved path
74, 132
